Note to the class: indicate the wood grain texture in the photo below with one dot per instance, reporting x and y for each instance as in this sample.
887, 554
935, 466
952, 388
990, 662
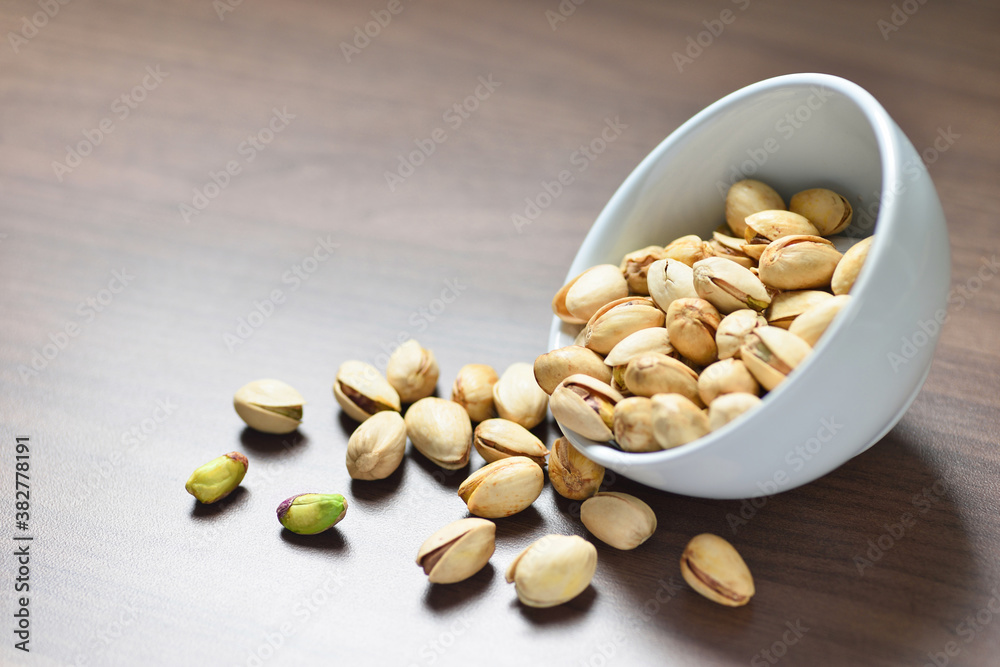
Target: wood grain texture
126, 570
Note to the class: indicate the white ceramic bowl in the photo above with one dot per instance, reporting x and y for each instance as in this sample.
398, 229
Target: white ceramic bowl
793, 132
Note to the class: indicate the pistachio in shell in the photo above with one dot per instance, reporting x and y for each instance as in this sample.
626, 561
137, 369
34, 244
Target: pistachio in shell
687, 249
771, 353
786, 306
691, 325
728, 407
850, 266
496, 439
617, 319
572, 474
726, 376
585, 405
729, 286
440, 430
634, 425
798, 262
811, 324
668, 280
517, 396
412, 371
553, 367
502, 488
362, 391
677, 420
827, 210
269, 406
457, 551
733, 329
712, 567
583, 295
657, 373
634, 266
618, 519
552, 570
644, 341
473, 390
747, 197
377, 446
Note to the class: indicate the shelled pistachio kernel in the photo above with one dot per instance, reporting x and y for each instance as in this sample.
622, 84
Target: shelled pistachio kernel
457, 551
412, 371
502, 488
218, 478
362, 391
712, 567
553, 570
312, 513
269, 406
376, 448
572, 474
618, 519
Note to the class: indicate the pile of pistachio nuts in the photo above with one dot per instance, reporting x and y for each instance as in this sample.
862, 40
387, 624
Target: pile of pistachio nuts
679, 340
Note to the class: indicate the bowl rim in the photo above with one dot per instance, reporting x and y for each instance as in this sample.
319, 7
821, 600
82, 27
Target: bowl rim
890, 151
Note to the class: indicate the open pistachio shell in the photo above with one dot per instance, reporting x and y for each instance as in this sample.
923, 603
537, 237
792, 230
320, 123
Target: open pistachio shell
687, 249
497, 439
811, 324
644, 341
617, 319
457, 551
733, 253
727, 376
553, 367
747, 197
711, 566
585, 405
786, 306
828, 211
729, 286
668, 280
798, 262
733, 329
269, 406
362, 391
582, 296
657, 373
771, 353
572, 474
502, 488
635, 265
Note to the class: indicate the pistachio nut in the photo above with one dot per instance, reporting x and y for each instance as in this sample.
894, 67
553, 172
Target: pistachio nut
767, 226
457, 551
733, 329
585, 405
473, 390
311, 513
729, 286
687, 249
517, 396
731, 248
582, 296
618, 519
635, 265
786, 306
712, 567
552, 570
798, 262
617, 319
811, 324
269, 406
618, 380
634, 425
362, 391
677, 420
669, 280
553, 367
771, 353
497, 439
728, 407
572, 474
376, 447
828, 211
656, 373
643, 341
441, 431
218, 478
691, 325
412, 371
747, 197
502, 488
850, 266
727, 376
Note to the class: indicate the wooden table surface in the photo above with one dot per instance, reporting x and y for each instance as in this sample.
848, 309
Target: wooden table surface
194, 195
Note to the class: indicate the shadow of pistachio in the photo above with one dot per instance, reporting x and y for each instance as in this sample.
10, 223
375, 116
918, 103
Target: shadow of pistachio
451, 479
378, 491
444, 597
329, 540
237, 498
270, 445
563, 614
524, 522
546, 432
347, 424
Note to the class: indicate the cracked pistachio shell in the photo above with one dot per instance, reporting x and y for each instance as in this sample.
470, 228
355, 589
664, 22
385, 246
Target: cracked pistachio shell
712, 566
668, 280
798, 262
727, 376
362, 391
553, 367
786, 306
618, 519
616, 320
634, 425
733, 329
850, 266
218, 478
311, 513
473, 390
412, 371
687, 249
677, 420
691, 325
441, 431
553, 570
497, 439
747, 197
457, 551
728, 407
729, 286
269, 406
585, 405
771, 353
731, 249
635, 265
767, 226
572, 474
656, 373
517, 396
811, 324
644, 341
503, 488
828, 211
582, 296
376, 447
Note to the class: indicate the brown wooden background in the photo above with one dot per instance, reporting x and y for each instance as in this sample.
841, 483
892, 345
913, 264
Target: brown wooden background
126, 570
